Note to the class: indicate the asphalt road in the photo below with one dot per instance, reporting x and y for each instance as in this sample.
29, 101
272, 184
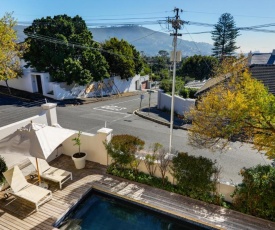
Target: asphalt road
117, 114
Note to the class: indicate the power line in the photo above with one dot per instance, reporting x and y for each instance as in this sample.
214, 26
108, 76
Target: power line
78, 45
146, 35
197, 48
235, 15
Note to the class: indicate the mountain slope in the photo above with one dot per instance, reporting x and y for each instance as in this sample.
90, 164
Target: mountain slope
144, 39
150, 41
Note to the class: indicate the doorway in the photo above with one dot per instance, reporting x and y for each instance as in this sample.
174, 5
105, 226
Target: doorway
39, 84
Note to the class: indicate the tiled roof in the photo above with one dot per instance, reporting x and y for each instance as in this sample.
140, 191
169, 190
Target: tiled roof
262, 59
265, 74
211, 82
195, 84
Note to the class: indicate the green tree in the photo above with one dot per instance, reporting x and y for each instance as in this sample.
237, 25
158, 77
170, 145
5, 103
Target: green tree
224, 36
166, 85
64, 47
198, 67
123, 59
10, 51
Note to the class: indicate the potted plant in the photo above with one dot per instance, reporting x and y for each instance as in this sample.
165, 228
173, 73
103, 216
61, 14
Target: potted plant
79, 158
3, 168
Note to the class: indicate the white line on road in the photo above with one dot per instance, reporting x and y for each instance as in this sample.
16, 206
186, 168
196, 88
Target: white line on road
110, 111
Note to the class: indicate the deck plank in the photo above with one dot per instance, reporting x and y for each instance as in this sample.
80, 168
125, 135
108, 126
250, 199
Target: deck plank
17, 214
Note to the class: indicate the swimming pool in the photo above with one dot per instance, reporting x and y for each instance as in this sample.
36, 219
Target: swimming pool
102, 211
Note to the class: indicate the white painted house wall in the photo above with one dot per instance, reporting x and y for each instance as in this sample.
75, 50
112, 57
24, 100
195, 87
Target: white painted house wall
28, 82
60, 91
181, 105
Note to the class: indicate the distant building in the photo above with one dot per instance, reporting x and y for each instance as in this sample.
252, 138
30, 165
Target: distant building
262, 67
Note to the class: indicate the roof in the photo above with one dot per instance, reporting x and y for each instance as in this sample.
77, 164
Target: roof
265, 74
212, 82
263, 58
195, 84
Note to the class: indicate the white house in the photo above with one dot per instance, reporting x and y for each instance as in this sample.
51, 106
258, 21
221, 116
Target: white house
40, 82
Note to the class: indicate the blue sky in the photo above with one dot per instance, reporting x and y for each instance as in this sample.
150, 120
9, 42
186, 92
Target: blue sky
246, 13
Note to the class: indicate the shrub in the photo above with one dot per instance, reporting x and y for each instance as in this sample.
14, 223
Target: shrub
187, 92
194, 177
184, 92
256, 194
122, 149
141, 178
3, 168
192, 93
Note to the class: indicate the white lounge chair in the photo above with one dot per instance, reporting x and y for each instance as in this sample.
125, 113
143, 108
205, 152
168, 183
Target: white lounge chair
21, 188
51, 173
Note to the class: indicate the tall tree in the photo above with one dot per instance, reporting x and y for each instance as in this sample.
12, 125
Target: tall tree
10, 51
64, 47
224, 36
239, 107
198, 67
123, 59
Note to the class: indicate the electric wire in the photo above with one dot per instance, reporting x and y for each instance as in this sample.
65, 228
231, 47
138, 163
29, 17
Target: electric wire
74, 44
197, 48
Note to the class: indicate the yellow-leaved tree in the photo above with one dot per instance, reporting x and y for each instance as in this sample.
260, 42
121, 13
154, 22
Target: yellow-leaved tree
10, 50
239, 107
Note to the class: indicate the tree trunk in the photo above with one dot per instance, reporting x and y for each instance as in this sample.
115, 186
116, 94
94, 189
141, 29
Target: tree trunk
8, 86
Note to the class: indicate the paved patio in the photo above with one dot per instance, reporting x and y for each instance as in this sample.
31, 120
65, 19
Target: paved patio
18, 214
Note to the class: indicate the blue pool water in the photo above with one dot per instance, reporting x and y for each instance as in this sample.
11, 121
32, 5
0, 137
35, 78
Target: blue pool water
99, 211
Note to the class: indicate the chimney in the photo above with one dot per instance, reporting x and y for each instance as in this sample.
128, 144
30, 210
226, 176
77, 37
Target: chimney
249, 58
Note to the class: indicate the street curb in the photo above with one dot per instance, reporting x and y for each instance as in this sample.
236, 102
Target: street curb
85, 102
157, 120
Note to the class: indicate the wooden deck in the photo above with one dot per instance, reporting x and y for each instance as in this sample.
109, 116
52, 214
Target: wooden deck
19, 214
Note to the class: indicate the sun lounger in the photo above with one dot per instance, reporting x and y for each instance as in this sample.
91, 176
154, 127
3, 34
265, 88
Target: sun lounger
21, 188
51, 173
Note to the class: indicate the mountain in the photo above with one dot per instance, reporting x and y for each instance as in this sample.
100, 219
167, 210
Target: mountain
144, 39
150, 41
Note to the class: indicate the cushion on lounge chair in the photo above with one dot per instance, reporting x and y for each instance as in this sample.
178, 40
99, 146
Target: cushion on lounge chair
21, 188
51, 173
15, 179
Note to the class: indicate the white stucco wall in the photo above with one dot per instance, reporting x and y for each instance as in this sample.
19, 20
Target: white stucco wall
63, 91
91, 144
28, 81
181, 105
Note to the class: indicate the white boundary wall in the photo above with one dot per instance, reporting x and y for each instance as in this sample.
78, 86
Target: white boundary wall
181, 105
60, 91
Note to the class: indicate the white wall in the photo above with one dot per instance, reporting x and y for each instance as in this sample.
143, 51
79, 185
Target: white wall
28, 81
63, 91
130, 85
181, 105
91, 144
22, 83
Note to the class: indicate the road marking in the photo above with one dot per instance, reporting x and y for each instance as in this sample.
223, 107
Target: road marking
110, 111
112, 107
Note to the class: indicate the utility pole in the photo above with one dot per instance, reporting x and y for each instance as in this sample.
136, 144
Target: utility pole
176, 24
